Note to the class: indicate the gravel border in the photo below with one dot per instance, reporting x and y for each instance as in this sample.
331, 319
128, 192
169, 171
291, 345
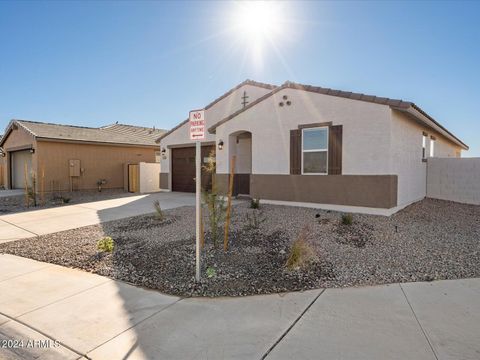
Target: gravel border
430, 240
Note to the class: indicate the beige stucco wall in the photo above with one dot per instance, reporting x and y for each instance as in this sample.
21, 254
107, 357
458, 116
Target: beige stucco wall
217, 112
366, 129
406, 138
97, 161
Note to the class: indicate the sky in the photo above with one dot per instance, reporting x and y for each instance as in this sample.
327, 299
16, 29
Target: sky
149, 63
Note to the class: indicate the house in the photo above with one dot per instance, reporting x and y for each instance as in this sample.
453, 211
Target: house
313, 146
66, 157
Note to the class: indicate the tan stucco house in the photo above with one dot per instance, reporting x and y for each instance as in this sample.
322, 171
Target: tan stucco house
313, 146
66, 157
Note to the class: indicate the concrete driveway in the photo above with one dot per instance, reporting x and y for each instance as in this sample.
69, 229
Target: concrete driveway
39, 222
71, 314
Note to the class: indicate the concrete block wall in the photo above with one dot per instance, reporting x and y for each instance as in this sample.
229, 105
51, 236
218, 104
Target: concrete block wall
454, 179
149, 177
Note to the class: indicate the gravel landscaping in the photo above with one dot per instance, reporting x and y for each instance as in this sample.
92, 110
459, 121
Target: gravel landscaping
15, 204
429, 240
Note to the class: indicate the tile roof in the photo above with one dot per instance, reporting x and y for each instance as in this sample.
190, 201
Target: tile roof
112, 134
393, 103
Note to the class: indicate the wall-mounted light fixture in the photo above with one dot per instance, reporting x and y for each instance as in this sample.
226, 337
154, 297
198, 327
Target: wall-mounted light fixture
2, 154
220, 144
32, 151
163, 152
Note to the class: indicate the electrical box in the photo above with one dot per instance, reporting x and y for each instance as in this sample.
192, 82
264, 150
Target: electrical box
74, 166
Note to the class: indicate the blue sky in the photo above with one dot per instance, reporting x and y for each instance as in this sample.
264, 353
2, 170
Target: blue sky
149, 63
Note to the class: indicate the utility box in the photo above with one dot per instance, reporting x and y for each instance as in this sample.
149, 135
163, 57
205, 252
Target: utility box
74, 166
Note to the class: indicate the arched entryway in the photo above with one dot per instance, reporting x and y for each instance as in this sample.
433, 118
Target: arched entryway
240, 146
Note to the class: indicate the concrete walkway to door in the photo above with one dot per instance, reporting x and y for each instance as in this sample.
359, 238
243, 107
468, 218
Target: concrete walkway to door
39, 222
94, 317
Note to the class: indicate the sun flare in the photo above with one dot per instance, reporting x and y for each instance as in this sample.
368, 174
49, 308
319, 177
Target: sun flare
258, 20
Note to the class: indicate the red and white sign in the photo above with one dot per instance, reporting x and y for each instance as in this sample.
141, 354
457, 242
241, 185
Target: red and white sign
197, 125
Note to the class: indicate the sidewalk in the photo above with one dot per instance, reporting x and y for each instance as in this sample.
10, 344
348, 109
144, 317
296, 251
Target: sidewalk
39, 222
99, 318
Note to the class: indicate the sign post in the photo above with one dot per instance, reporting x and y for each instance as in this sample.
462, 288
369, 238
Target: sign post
197, 133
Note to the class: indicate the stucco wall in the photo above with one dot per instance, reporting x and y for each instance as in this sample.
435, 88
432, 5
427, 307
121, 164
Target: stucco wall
217, 112
454, 179
98, 161
149, 177
366, 129
406, 139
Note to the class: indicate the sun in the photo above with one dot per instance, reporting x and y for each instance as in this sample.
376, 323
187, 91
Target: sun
258, 21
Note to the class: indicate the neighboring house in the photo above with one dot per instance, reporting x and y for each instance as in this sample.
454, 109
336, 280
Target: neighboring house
65, 157
320, 147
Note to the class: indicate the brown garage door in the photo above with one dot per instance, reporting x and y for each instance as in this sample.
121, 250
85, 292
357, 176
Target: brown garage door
183, 168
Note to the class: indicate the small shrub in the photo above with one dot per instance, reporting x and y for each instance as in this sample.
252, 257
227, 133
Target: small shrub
347, 219
158, 210
254, 221
255, 204
301, 252
216, 213
100, 183
211, 272
105, 244
65, 200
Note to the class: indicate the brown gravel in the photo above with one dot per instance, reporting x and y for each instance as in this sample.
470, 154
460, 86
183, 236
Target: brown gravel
429, 240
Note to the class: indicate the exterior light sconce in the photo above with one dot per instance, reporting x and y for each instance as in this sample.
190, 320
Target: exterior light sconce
2, 154
220, 145
32, 151
163, 152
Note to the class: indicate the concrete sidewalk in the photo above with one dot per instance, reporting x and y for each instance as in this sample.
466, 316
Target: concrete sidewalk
95, 317
39, 222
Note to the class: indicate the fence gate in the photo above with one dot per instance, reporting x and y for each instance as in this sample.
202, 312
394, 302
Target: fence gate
133, 178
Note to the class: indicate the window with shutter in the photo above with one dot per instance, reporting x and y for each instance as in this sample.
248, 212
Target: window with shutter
295, 151
335, 150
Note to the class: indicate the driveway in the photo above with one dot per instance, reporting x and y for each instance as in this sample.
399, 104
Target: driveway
73, 314
39, 222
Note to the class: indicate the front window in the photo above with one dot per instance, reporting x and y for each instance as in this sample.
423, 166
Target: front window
424, 146
432, 146
315, 150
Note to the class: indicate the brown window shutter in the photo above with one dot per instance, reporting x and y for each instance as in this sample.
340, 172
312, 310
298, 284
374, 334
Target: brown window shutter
295, 152
335, 150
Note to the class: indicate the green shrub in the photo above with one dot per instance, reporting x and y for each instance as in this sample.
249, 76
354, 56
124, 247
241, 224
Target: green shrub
347, 219
255, 204
211, 272
65, 200
106, 244
301, 252
158, 210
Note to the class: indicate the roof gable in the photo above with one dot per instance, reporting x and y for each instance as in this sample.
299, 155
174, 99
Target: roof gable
220, 98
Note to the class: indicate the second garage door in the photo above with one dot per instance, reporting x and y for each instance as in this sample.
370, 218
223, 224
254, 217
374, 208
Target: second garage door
19, 160
183, 168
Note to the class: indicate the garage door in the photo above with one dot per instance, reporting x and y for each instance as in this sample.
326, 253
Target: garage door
18, 161
183, 168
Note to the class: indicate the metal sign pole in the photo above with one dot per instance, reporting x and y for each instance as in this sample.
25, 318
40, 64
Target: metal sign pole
198, 179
